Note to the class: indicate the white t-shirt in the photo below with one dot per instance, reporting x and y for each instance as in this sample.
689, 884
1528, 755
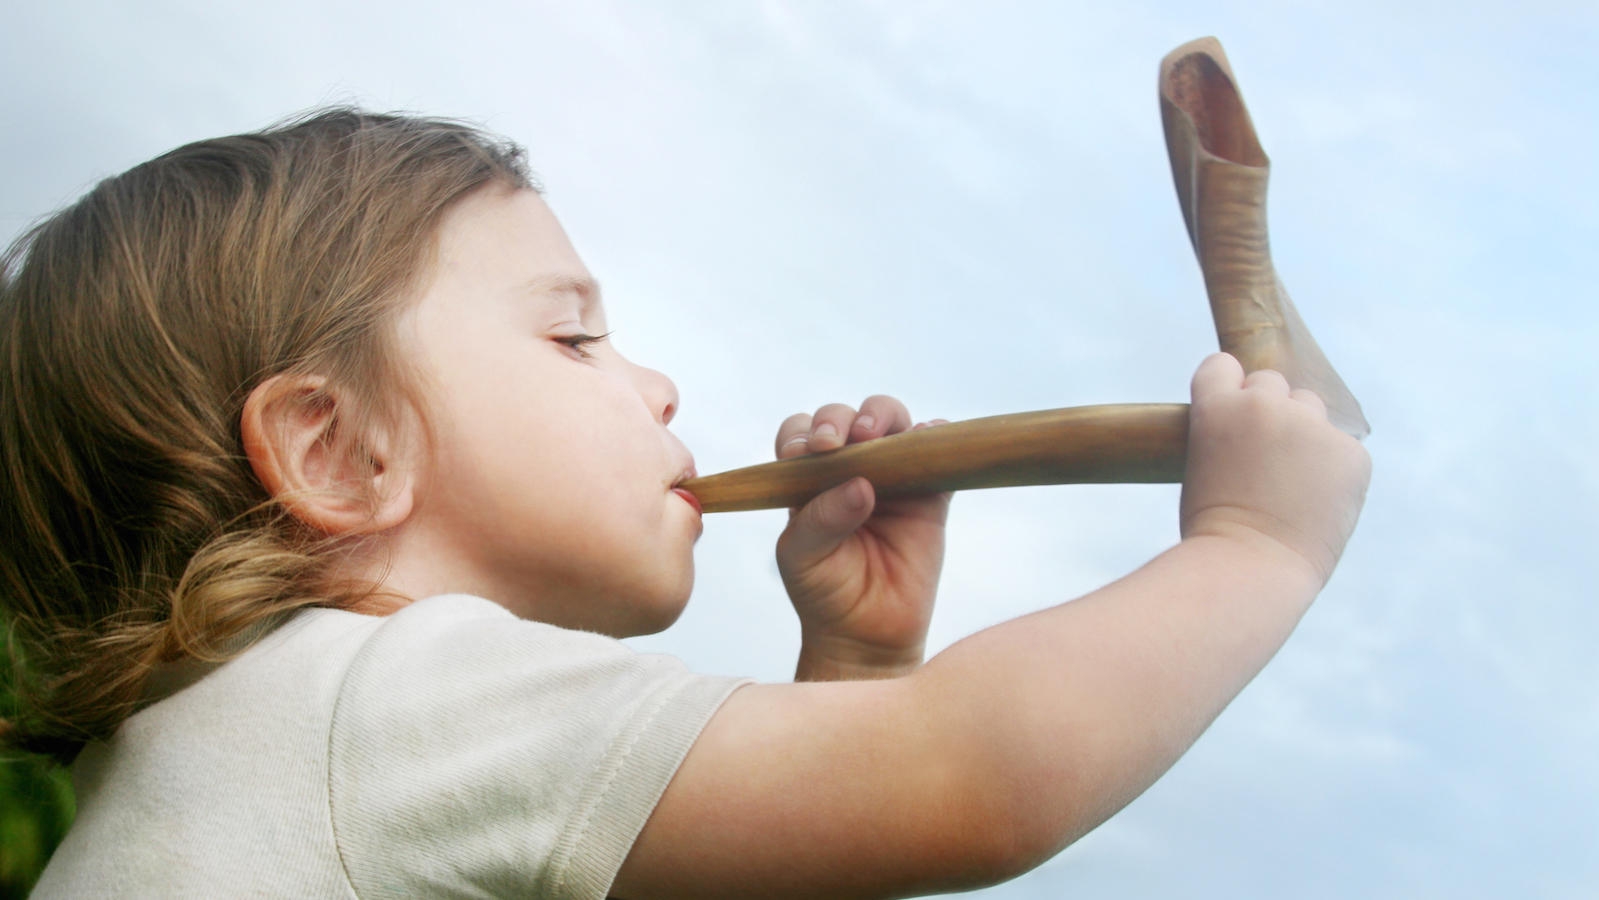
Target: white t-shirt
447, 750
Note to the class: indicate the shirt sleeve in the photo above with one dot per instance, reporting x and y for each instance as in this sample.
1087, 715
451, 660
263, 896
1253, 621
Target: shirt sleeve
475, 754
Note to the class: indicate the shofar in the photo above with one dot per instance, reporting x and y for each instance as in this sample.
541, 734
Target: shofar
1220, 172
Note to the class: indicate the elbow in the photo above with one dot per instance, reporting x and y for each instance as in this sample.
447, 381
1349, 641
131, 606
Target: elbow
996, 843
1024, 790
1022, 780
1017, 806
1024, 831
982, 851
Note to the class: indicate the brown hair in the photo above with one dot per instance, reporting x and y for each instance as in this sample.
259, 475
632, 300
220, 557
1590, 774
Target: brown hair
133, 325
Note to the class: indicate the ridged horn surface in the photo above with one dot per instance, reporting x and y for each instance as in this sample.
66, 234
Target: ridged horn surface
1220, 172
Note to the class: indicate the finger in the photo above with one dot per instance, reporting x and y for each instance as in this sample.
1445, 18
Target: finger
1218, 373
1311, 399
793, 436
880, 414
830, 427
1269, 380
826, 521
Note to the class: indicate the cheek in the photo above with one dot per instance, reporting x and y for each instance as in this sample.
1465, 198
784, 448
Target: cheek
579, 440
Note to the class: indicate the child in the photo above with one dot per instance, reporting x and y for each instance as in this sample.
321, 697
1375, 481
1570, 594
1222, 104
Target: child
326, 498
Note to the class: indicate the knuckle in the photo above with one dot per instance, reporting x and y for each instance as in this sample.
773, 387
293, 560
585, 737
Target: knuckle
835, 411
792, 435
880, 401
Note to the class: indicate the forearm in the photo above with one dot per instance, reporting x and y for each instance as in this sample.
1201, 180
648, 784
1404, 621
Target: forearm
1066, 715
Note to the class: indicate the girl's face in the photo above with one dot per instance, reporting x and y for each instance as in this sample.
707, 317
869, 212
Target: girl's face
549, 486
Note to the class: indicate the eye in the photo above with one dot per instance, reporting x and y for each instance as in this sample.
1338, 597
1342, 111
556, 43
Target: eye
579, 342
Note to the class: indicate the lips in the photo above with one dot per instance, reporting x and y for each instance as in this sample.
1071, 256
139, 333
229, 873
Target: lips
688, 496
690, 499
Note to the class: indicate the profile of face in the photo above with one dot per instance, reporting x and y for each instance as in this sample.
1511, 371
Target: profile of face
549, 482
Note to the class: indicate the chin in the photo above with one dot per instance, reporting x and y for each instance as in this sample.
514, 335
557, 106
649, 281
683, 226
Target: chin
660, 615
652, 626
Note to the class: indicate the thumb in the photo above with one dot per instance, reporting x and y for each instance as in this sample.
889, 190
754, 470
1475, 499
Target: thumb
826, 521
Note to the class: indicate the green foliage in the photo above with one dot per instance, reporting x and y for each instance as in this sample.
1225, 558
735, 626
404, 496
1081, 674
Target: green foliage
36, 807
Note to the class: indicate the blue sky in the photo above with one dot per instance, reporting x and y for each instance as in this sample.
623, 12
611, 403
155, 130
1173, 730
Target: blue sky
968, 206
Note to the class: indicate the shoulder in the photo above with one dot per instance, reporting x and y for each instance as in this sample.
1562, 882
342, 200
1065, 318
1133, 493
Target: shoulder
222, 749
467, 740
454, 652
434, 672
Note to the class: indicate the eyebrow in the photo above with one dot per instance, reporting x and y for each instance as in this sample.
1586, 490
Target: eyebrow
587, 289
583, 285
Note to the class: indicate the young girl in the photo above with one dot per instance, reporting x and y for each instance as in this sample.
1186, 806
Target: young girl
325, 500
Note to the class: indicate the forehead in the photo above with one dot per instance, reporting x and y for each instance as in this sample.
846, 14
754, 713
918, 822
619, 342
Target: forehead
502, 264
507, 237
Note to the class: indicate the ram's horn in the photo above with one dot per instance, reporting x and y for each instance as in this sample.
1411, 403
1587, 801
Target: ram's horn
1220, 173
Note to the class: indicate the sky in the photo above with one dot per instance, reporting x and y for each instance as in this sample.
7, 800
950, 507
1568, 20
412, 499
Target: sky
968, 206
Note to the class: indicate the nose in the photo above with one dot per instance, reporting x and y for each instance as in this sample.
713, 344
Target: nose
658, 391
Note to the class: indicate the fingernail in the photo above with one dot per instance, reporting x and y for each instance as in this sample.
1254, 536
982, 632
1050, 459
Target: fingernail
797, 439
855, 497
865, 423
825, 429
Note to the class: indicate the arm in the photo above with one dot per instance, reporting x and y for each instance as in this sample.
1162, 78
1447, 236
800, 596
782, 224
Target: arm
1021, 738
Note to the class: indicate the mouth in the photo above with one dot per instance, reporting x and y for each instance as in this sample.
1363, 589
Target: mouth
690, 499
688, 496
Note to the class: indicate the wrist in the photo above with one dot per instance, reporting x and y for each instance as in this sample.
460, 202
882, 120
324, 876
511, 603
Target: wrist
1252, 539
829, 658
1284, 571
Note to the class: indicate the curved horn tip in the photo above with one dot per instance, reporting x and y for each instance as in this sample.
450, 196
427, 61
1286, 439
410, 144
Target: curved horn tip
1205, 46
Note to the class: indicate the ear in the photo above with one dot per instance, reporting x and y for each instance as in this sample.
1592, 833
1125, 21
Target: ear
336, 486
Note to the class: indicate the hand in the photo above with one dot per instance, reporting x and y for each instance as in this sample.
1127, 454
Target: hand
862, 575
1263, 462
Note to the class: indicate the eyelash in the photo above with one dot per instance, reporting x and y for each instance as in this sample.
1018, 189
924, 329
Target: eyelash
579, 341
